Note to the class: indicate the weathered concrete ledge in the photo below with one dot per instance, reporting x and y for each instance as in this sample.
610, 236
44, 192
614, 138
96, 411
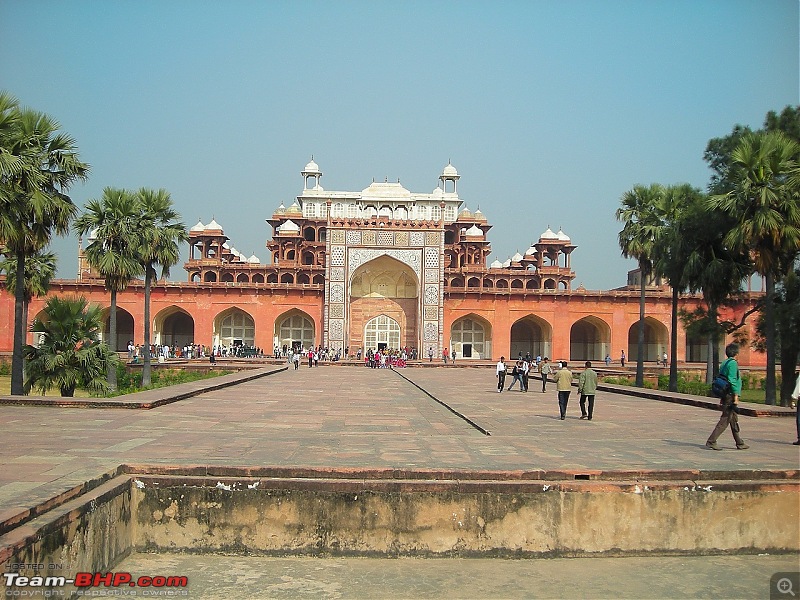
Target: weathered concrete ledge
501, 514
405, 512
147, 399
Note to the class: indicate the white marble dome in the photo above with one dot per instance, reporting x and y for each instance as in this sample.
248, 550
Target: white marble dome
449, 171
548, 235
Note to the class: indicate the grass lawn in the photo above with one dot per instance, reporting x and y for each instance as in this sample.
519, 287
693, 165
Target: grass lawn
5, 389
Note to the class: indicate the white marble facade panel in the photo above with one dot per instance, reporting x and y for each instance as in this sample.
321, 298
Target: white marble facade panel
432, 294
336, 329
417, 238
337, 256
386, 238
431, 275
431, 258
337, 293
431, 332
358, 256
353, 238
337, 273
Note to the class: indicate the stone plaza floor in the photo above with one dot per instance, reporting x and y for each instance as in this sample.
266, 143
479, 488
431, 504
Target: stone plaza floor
343, 417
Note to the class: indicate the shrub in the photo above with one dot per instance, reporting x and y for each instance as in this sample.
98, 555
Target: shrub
130, 382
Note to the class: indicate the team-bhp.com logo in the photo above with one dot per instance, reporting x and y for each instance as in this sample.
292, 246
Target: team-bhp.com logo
85, 582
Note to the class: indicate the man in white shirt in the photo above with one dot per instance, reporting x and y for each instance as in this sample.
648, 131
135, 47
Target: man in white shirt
501, 374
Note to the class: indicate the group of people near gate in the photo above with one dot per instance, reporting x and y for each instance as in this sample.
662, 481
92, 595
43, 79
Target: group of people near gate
388, 358
587, 381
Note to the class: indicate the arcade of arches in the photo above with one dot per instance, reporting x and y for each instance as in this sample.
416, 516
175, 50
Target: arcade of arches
385, 310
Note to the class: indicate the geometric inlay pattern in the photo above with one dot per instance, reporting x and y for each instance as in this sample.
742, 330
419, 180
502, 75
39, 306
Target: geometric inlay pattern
431, 332
431, 275
432, 258
401, 238
337, 292
337, 256
353, 238
358, 256
336, 329
432, 238
431, 313
337, 273
431, 294
368, 238
385, 238
337, 236
417, 238
337, 311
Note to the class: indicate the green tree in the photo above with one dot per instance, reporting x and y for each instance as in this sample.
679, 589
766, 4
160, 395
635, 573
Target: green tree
643, 210
788, 121
787, 330
69, 354
40, 268
38, 164
113, 224
764, 204
671, 253
159, 235
712, 268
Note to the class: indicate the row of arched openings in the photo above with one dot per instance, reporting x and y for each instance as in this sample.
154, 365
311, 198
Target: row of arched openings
470, 336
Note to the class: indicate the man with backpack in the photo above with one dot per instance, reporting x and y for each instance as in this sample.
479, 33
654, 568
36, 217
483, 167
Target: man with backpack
730, 398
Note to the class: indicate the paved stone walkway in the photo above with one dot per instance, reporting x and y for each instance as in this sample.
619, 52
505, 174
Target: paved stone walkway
358, 417
355, 417
250, 577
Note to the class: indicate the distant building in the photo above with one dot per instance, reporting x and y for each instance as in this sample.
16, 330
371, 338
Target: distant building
387, 267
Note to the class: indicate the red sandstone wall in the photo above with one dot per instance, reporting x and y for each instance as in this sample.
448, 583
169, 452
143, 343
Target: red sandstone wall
555, 312
402, 310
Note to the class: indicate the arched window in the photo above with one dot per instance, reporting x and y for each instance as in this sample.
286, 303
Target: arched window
382, 332
237, 325
471, 337
296, 330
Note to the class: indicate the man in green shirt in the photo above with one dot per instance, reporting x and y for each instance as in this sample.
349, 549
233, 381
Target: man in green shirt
729, 370
587, 388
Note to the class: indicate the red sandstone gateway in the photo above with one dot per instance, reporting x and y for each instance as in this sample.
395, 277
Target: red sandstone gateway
389, 268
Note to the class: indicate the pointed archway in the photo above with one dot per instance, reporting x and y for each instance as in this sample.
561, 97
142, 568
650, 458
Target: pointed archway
389, 288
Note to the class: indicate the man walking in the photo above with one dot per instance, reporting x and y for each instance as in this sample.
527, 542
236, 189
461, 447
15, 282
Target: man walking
587, 387
730, 371
501, 374
564, 387
545, 370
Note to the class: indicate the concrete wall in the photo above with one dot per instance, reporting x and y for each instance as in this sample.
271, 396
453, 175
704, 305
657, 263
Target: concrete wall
488, 519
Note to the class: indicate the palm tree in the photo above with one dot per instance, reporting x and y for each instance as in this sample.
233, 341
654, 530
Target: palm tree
40, 268
764, 204
711, 267
642, 211
670, 253
159, 235
38, 165
70, 353
113, 224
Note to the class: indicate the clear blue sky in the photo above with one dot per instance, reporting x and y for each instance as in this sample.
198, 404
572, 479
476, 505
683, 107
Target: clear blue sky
549, 110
